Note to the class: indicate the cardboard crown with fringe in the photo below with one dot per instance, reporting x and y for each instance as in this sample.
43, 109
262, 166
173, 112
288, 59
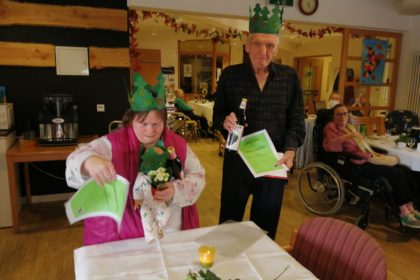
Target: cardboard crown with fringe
261, 23
145, 97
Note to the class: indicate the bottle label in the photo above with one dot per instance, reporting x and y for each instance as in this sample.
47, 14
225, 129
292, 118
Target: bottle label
234, 138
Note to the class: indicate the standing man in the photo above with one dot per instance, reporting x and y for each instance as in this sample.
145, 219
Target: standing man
274, 103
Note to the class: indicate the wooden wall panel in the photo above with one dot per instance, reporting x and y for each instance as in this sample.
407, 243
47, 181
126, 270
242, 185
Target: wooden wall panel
26, 54
29, 31
43, 55
108, 57
64, 16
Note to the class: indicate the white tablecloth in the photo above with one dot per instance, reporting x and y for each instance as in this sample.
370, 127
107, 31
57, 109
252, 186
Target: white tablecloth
305, 153
409, 158
203, 109
174, 255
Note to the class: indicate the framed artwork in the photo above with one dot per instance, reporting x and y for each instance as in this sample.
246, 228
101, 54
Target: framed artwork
188, 70
71, 61
374, 54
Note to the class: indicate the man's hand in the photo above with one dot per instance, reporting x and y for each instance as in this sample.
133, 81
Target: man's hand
287, 159
230, 122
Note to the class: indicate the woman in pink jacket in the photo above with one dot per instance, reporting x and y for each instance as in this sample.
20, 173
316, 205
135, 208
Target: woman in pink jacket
118, 153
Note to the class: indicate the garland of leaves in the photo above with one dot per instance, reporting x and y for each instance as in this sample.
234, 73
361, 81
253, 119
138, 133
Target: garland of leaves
313, 33
216, 36
133, 50
224, 36
192, 29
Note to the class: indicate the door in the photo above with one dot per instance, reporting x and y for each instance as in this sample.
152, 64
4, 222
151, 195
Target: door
310, 75
149, 63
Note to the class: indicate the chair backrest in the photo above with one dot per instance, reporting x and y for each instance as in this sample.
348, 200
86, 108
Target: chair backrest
334, 249
378, 125
320, 104
114, 125
359, 121
323, 116
177, 122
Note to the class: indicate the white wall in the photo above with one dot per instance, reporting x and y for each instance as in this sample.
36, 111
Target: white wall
410, 45
324, 47
381, 14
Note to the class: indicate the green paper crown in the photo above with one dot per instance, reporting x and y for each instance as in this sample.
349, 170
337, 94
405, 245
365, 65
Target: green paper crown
261, 23
146, 98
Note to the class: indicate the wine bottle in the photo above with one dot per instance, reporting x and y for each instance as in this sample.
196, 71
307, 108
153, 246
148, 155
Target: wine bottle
234, 137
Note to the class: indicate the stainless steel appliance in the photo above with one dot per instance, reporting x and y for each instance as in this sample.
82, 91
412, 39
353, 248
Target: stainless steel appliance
58, 120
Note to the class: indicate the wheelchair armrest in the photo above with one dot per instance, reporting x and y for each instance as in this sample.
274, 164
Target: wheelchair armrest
379, 150
342, 155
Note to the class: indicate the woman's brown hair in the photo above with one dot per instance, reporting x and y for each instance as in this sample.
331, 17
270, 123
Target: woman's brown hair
129, 116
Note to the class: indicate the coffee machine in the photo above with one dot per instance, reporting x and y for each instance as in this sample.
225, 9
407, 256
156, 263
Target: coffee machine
58, 120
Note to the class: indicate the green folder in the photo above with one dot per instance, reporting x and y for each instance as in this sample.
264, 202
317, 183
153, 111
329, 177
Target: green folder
91, 200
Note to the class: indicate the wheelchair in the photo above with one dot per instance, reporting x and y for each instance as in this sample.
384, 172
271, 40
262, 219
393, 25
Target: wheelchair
324, 185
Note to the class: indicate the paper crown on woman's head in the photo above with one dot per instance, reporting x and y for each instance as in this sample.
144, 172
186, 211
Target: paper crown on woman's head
145, 97
261, 23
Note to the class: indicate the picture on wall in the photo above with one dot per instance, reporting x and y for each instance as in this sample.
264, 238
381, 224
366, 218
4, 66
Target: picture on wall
374, 54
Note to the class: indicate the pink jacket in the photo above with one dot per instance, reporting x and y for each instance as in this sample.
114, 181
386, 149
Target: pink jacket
125, 149
332, 144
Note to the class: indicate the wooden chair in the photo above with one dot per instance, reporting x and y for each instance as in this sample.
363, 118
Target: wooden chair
357, 122
319, 104
114, 125
334, 249
378, 125
181, 124
374, 125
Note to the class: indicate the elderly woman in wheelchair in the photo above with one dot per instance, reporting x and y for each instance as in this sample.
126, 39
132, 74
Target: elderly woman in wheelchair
340, 162
337, 138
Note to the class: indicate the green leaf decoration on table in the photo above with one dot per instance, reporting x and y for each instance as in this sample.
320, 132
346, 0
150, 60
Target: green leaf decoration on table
203, 275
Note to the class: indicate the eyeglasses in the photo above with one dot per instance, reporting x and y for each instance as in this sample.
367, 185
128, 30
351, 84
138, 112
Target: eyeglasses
341, 114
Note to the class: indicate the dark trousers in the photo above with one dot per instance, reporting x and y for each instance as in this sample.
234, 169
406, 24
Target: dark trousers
238, 184
398, 176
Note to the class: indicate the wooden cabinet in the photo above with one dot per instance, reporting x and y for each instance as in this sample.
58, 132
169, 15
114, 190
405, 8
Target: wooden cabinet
200, 64
365, 98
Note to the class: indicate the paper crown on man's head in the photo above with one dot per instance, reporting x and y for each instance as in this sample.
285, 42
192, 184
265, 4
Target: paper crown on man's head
261, 23
146, 98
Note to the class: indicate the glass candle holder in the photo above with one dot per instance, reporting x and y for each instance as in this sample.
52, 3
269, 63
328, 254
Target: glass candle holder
206, 254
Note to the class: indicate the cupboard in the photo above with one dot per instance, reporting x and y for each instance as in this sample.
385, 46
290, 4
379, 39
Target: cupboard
368, 98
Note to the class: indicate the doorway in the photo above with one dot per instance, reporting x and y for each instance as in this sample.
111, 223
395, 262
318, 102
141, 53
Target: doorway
312, 72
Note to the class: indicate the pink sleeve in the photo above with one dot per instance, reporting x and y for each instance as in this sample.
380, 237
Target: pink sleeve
330, 143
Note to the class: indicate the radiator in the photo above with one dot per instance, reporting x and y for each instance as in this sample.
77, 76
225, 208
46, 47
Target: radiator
414, 85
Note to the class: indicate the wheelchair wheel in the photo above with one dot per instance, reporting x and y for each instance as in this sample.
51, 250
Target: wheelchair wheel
321, 189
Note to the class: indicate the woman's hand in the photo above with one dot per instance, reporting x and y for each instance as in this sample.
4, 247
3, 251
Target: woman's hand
101, 170
165, 193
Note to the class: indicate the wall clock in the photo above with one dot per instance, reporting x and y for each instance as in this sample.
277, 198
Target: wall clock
308, 7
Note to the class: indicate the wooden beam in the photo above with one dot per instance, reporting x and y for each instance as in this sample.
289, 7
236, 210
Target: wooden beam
27, 54
43, 55
16, 13
108, 57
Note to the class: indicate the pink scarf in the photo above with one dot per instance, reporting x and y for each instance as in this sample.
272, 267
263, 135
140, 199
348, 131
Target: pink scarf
125, 149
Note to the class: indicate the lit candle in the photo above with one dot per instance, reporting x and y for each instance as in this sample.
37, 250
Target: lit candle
206, 254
